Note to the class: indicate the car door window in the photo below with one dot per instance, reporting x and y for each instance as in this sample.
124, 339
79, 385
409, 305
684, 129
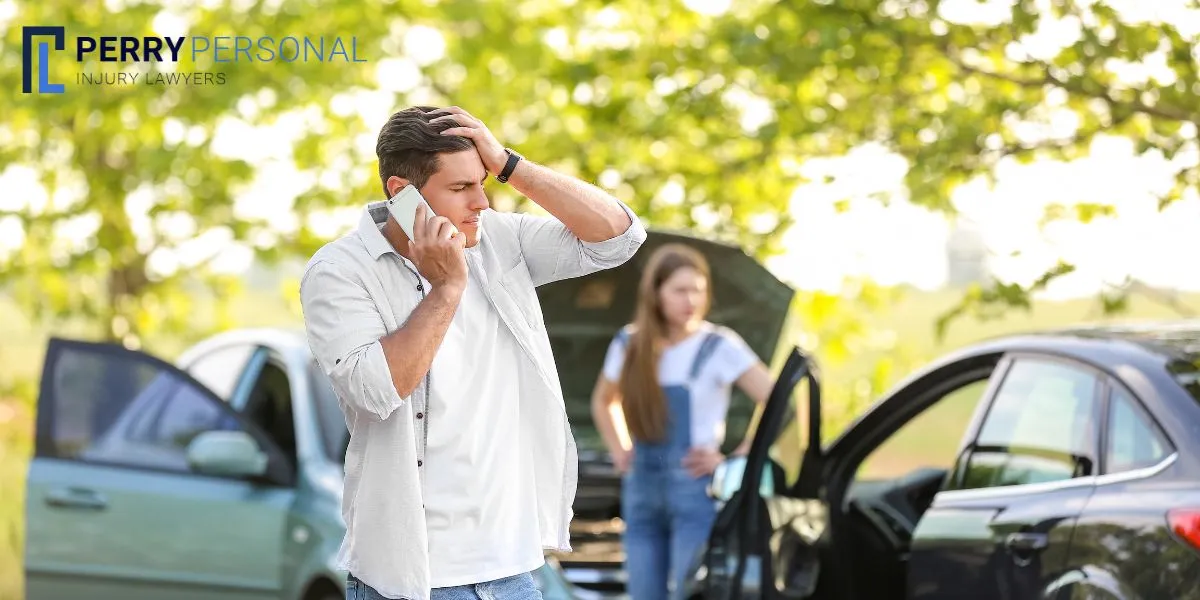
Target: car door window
1134, 441
786, 451
1042, 426
929, 440
269, 406
119, 407
178, 417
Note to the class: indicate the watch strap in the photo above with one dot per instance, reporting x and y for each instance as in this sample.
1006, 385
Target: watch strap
509, 167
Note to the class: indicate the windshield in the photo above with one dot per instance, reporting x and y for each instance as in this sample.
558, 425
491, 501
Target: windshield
332, 422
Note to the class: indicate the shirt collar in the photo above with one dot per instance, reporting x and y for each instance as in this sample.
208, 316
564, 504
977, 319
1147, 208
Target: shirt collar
375, 215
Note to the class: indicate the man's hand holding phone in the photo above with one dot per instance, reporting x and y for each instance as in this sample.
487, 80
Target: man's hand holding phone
437, 251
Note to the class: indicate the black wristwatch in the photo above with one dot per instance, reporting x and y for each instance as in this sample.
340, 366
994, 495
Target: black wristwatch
510, 166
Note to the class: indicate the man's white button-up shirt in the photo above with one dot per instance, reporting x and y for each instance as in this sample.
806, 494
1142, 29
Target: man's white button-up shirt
356, 290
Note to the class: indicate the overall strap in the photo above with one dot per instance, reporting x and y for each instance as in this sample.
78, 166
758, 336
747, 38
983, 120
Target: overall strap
707, 347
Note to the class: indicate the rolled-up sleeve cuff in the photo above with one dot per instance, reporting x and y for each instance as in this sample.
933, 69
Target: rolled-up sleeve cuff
621, 247
364, 376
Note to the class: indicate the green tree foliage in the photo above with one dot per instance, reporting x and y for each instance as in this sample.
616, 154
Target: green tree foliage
700, 121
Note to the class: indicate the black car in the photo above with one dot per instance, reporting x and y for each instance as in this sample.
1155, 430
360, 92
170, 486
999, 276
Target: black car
1057, 465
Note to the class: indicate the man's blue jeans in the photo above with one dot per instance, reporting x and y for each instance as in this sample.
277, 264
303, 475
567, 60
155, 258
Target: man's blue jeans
517, 587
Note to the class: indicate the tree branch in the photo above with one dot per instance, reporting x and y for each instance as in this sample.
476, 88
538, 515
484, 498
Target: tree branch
1163, 297
1162, 112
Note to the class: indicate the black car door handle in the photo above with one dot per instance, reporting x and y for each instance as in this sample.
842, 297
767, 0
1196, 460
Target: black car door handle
1026, 542
75, 497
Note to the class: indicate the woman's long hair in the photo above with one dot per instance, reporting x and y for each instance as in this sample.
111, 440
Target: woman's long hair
642, 398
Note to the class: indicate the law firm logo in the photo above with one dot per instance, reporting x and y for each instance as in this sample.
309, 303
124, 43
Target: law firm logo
154, 61
28, 34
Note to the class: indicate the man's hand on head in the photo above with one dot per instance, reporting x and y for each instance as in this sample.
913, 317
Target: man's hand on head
589, 213
491, 151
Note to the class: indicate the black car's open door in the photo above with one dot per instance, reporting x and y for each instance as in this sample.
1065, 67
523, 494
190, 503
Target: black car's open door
763, 544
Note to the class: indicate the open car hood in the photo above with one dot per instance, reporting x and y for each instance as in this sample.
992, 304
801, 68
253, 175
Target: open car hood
583, 314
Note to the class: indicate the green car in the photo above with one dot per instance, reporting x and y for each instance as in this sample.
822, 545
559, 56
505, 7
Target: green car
217, 477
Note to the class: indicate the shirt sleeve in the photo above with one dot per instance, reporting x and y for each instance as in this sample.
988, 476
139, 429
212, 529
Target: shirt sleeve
554, 253
344, 327
732, 357
614, 359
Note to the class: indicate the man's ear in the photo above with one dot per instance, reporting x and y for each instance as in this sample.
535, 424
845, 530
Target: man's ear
395, 183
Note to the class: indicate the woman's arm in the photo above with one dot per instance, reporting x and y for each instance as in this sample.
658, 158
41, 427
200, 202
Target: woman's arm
756, 383
610, 421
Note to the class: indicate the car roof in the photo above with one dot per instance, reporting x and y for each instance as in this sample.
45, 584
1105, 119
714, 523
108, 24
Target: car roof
1179, 339
1169, 340
1147, 346
289, 341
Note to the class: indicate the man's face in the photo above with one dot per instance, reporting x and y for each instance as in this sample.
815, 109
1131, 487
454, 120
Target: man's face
455, 191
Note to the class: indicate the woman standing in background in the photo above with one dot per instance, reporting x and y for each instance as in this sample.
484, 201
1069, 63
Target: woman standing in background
660, 405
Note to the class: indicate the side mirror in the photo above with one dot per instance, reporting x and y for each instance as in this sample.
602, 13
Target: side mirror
727, 479
226, 453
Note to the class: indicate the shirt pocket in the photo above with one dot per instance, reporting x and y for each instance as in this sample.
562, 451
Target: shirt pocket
518, 284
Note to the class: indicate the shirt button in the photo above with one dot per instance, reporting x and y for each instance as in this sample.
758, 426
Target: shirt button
420, 287
419, 463
420, 415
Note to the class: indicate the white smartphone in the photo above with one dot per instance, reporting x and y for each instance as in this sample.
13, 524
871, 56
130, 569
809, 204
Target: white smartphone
403, 207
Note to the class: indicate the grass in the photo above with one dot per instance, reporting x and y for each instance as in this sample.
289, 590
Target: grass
15, 423
903, 340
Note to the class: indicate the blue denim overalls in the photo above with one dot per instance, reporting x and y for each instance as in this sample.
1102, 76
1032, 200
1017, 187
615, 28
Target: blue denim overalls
667, 512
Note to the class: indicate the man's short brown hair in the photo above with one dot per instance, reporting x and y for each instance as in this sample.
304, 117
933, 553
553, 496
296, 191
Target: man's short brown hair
409, 145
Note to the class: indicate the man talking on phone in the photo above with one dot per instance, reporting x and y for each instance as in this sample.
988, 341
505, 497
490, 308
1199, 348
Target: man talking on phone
461, 468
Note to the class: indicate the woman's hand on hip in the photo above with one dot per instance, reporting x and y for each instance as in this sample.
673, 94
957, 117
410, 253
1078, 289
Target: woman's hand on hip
702, 461
622, 459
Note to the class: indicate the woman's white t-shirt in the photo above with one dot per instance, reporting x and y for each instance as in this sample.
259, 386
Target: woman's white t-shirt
712, 386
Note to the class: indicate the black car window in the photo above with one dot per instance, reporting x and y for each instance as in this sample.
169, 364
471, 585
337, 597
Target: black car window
1133, 441
1042, 426
125, 410
787, 451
